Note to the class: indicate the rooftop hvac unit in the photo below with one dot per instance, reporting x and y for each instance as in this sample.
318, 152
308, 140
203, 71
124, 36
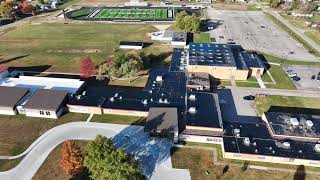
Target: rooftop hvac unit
309, 123
192, 110
236, 131
160, 100
84, 93
286, 144
192, 97
116, 95
111, 99
246, 141
294, 121
159, 78
256, 150
145, 102
317, 148
120, 97
166, 101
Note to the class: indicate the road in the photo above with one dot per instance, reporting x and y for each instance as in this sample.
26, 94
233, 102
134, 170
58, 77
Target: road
154, 155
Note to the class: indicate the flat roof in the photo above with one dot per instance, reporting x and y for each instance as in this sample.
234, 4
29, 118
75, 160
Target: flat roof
211, 54
177, 60
34, 83
179, 37
45, 99
245, 59
199, 79
207, 112
262, 143
162, 120
293, 124
10, 96
130, 43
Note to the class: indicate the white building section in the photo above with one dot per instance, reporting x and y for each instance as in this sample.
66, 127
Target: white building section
34, 83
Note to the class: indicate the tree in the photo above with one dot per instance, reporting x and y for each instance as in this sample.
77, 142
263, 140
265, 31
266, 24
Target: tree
187, 23
87, 67
6, 10
274, 3
126, 64
26, 7
180, 22
104, 161
71, 158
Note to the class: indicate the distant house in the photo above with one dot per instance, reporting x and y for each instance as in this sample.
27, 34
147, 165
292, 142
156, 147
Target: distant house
131, 45
46, 103
9, 98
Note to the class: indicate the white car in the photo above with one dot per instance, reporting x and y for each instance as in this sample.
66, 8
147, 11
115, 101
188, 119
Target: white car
292, 74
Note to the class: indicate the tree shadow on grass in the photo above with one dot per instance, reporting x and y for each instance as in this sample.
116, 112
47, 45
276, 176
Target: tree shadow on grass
300, 173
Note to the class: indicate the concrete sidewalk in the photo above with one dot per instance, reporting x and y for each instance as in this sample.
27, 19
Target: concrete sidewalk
153, 154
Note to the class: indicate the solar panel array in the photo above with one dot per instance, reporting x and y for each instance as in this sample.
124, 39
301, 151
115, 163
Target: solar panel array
206, 54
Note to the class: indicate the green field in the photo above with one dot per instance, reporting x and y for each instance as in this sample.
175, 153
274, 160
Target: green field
60, 47
132, 14
264, 103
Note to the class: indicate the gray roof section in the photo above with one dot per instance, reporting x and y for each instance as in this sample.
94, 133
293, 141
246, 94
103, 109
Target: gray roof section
10, 96
45, 99
179, 37
162, 120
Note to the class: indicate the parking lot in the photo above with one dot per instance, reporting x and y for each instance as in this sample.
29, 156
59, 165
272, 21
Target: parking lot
305, 73
254, 31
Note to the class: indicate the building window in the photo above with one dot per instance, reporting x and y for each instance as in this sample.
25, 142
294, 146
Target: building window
41, 113
47, 113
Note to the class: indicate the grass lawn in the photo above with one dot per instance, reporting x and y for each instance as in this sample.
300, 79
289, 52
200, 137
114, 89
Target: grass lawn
18, 132
50, 169
201, 161
42, 46
263, 103
118, 119
292, 34
140, 82
314, 35
247, 84
281, 78
235, 6
201, 38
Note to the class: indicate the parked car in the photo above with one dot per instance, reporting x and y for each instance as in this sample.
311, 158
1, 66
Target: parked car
292, 74
313, 77
296, 78
289, 71
249, 97
318, 78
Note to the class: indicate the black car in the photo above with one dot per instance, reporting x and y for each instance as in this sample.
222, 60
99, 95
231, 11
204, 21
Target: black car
249, 98
318, 78
296, 78
313, 77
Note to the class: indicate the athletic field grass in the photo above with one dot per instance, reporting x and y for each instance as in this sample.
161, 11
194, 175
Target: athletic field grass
60, 47
132, 14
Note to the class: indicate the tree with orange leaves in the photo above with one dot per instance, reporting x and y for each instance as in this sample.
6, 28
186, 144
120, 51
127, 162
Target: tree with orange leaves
71, 158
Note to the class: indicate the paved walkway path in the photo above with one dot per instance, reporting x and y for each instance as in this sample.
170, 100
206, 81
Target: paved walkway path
261, 84
153, 154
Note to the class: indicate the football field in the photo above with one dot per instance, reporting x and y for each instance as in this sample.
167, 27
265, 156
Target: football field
132, 14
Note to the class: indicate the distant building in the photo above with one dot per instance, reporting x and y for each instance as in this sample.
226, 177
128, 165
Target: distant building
223, 61
131, 45
170, 37
46, 104
9, 99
